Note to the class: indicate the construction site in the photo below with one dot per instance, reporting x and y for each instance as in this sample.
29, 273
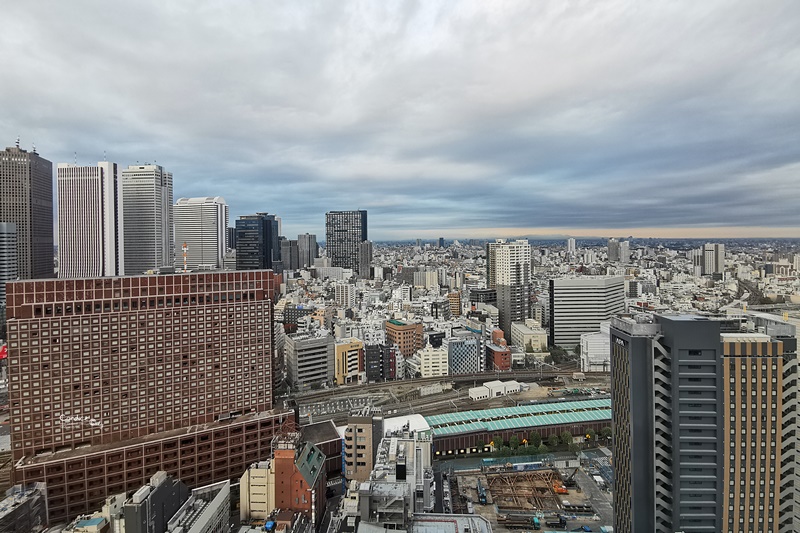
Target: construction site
528, 489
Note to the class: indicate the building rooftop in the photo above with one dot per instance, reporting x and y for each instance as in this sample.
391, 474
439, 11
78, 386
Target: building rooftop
548, 414
320, 432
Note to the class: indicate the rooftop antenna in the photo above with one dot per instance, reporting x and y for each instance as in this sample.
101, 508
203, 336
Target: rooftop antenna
17, 141
104, 155
34, 148
76, 158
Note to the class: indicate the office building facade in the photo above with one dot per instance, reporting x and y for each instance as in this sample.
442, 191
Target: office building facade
8, 257
112, 379
90, 221
307, 249
26, 200
149, 238
713, 259
309, 360
344, 233
256, 239
578, 305
407, 336
464, 355
290, 254
201, 224
704, 426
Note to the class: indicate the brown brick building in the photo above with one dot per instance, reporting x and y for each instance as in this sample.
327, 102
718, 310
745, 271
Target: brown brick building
112, 379
407, 336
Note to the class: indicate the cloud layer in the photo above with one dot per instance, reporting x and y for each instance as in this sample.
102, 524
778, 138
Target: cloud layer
440, 118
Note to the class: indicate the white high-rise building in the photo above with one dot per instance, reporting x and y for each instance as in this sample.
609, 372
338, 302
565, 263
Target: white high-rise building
713, 259
201, 224
90, 222
8, 257
571, 246
147, 218
578, 305
511, 270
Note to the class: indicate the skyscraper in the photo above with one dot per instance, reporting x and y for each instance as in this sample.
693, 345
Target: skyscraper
290, 254
344, 233
570, 245
8, 258
255, 235
26, 200
713, 259
149, 241
578, 305
202, 224
90, 222
510, 267
704, 424
135, 375
614, 251
364, 259
307, 249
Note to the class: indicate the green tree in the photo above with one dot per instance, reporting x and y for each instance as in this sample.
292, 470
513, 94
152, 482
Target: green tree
497, 441
590, 435
529, 347
566, 438
553, 440
574, 448
513, 442
605, 432
542, 449
480, 445
577, 350
534, 439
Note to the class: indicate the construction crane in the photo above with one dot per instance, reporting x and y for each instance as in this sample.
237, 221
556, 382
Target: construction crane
570, 480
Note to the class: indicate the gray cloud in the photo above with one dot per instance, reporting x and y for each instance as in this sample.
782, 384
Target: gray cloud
432, 115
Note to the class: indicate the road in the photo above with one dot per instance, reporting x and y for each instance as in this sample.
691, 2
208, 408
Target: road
601, 500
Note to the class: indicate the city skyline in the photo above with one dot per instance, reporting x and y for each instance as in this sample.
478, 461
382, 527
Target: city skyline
440, 120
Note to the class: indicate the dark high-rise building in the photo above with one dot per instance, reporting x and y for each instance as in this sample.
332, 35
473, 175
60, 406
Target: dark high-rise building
704, 424
290, 255
114, 379
26, 200
365, 259
441, 242
344, 233
231, 236
380, 362
255, 235
307, 249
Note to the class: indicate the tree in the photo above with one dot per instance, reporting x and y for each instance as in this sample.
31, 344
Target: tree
566, 438
590, 435
535, 439
605, 432
574, 448
553, 440
529, 347
542, 449
497, 441
480, 445
577, 350
513, 442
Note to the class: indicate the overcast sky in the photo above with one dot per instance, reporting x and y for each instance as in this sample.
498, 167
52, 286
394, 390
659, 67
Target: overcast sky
452, 119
